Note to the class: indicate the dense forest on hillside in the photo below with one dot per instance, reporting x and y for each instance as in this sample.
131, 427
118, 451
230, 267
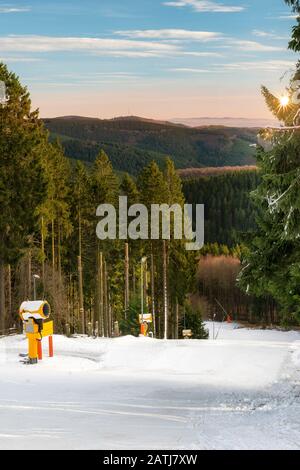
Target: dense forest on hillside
133, 142
124, 158
229, 210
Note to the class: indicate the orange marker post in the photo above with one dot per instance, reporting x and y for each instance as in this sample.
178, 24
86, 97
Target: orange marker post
144, 329
50, 339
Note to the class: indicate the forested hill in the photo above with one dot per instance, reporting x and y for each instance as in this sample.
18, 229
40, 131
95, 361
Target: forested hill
132, 142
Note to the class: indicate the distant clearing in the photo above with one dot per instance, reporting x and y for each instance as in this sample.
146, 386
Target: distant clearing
214, 171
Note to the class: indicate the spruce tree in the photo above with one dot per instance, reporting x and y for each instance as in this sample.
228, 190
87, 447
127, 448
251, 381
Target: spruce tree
181, 263
105, 190
154, 190
129, 189
23, 186
272, 266
295, 41
82, 211
152, 186
174, 184
105, 182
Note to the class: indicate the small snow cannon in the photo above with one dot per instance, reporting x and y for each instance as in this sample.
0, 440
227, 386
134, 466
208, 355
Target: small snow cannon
35, 316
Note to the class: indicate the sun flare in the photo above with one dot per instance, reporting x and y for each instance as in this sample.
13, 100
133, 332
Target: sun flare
284, 101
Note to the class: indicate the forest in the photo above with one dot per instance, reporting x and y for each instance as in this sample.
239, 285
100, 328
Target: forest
133, 142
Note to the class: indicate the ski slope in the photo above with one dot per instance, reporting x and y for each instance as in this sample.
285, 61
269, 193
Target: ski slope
241, 391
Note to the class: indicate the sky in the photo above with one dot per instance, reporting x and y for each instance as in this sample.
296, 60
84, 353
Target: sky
160, 59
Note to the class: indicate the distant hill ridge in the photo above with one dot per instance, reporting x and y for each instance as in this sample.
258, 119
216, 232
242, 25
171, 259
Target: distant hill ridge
226, 121
132, 142
118, 118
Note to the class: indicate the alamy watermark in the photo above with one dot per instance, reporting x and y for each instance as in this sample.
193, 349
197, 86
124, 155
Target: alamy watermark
161, 222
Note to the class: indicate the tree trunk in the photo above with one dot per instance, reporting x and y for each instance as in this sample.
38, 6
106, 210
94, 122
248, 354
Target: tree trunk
165, 290
80, 278
9, 306
59, 255
100, 291
81, 306
177, 320
43, 253
29, 274
2, 297
105, 302
53, 250
153, 295
133, 281
126, 303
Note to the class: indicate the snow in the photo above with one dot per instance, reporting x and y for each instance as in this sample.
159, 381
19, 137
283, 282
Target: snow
240, 391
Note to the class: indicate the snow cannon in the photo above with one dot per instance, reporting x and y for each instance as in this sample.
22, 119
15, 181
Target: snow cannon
36, 324
38, 309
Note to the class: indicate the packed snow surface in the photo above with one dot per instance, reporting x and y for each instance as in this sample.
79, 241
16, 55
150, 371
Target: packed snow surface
241, 391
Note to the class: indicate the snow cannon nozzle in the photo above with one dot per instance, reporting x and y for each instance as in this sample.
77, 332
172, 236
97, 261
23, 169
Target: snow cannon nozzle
37, 309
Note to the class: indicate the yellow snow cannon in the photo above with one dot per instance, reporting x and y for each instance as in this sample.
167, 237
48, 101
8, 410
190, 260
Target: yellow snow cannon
35, 315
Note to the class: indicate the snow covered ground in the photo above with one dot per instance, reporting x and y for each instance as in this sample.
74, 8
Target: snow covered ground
241, 391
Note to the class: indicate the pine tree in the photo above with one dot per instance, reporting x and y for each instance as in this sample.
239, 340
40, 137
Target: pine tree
129, 189
132, 248
272, 267
105, 190
23, 145
295, 41
154, 190
174, 184
105, 182
152, 186
82, 210
181, 263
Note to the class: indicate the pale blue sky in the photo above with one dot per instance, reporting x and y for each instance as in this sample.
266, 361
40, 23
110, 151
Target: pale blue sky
155, 58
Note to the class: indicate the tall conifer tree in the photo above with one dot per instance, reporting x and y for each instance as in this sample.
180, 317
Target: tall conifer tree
23, 146
272, 266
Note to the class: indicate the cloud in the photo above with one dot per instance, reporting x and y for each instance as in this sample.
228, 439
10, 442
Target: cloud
137, 44
286, 17
11, 9
265, 34
19, 59
200, 54
182, 34
201, 6
99, 46
93, 75
129, 54
190, 70
253, 46
265, 65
